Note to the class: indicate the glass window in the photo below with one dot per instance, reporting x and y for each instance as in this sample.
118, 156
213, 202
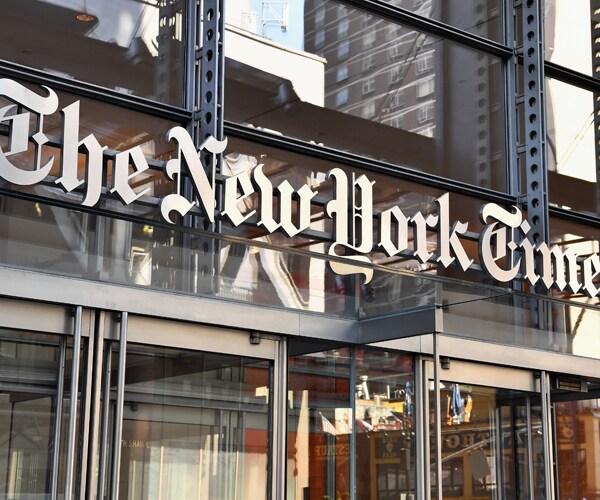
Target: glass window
385, 425
470, 90
316, 288
577, 423
368, 109
490, 438
319, 38
569, 40
117, 128
368, 86
28, 410
343, 49
369, 38
397, 99
571, 125
195, 425
130, 46
483, 18
424, 63
319, 424
582, 240
342, 97
343, 26
425, 87
342, 73
320, 16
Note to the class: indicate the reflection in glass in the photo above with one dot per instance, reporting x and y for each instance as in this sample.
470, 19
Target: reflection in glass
568, 39
319, 424
380, 92
385, 425
28, 412
479, 18
578, 445
571, 150
486, 452
195, 425
130, 46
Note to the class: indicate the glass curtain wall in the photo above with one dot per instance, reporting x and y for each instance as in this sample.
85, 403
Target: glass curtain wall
195, 425
350, 423
34, 411
492, 443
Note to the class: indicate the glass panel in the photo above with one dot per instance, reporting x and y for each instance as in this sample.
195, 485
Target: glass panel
486, 452
387, 192
385, 425
578, 444
130, 46
319, 424
482, 18
29, 375
568, 34
388, 92
114, 127
572, 138
28, 411
195, 425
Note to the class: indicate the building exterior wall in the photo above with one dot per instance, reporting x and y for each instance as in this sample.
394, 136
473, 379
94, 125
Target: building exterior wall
299, 249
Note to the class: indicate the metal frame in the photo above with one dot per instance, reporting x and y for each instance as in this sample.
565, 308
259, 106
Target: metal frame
118, 422
71, 453
534, 148
145, 302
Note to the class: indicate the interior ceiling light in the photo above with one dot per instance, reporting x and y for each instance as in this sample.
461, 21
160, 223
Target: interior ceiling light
86, 18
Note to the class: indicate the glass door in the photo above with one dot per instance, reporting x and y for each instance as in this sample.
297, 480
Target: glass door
195, 425
491, 436
196, 419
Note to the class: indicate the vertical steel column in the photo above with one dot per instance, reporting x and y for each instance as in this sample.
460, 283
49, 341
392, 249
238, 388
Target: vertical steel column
208, 122
118, 427
546, 429
71, 453
279, 452
535, 143
60, 394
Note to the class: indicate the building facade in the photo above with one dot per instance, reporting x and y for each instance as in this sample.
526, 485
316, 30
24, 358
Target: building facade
301, 249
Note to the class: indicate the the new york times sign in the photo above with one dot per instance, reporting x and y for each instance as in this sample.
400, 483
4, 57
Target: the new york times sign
504, 249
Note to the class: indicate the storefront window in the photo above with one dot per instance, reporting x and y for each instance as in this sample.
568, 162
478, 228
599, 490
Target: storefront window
322, 429
577, 442
569, 40
491, 443
133, 47
29, 375
195, 425
285, 79
319, 425
385, 425
572, 125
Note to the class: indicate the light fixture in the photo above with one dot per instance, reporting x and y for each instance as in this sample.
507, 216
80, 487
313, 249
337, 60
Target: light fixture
85, 17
